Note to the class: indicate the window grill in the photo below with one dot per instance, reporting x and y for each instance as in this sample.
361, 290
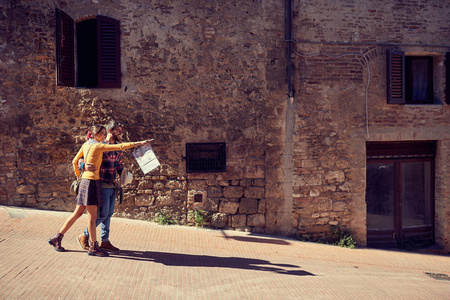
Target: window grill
403, 149
205, 157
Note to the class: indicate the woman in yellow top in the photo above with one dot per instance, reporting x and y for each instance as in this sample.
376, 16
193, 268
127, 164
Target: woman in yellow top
90, 191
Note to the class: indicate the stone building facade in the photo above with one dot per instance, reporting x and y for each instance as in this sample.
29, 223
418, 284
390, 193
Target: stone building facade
297, 91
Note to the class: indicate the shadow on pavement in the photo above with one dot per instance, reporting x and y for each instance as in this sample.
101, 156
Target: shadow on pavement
190, 260
256, 239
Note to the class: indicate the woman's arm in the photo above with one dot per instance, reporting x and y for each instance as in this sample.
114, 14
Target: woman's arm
75, 162
122, 146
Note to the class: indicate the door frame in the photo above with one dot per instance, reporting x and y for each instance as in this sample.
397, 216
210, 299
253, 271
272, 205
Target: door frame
392, 238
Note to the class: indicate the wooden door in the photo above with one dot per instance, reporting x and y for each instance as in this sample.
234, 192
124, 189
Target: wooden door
400, 201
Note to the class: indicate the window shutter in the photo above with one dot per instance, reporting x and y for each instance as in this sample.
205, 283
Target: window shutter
395, 77
447, 77
108, 40
65, 60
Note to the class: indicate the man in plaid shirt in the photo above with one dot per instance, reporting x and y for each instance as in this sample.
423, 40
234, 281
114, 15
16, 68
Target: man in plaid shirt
111, 165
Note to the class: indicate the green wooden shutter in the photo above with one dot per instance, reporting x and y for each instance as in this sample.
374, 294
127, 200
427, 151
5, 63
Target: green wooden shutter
65, 59
108, 40
395, 77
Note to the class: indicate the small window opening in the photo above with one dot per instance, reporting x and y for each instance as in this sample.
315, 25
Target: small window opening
198, 198
419, 79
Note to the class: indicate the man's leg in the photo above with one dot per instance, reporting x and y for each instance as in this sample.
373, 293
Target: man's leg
103, 212
109, 196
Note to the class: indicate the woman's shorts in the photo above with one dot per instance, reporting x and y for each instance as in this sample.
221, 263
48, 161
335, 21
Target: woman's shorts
90, 192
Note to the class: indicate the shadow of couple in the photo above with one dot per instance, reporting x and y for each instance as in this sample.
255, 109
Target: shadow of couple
192, 260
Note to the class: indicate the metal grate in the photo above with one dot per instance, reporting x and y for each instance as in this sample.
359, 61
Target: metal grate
205, 157
438, 276
404, 149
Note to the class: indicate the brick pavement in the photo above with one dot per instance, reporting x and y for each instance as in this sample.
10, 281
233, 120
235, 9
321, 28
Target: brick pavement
176, 262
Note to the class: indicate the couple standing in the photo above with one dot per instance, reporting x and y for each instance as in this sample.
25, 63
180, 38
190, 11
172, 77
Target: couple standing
97, 187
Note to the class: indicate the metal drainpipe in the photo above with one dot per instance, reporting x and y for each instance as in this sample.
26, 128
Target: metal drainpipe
286, 218
288, 38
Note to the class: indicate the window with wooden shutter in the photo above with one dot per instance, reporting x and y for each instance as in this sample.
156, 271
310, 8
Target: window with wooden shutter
410, 79
65, 60
396, 77
98, 52
108, 41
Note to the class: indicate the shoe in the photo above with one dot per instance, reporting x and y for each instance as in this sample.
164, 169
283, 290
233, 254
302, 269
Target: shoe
95, 250
55, 241
108, 246
83, 241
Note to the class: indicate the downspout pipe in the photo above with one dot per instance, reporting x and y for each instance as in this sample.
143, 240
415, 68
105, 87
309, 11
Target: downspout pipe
286, 221
288, 38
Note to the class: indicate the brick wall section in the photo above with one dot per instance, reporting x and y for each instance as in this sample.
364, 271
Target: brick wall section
442, 209
332, 128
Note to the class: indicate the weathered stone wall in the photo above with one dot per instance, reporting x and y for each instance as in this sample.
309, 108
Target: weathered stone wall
335, 116
215, 71
191, 72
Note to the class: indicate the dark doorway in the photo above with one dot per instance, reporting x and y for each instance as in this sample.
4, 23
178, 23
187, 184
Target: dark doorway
400, 193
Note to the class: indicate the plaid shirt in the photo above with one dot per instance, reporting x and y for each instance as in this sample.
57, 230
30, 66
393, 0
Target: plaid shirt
111, 163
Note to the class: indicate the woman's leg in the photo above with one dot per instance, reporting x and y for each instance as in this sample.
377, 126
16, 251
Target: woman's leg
92, 216
55, 241
93, 245
78, 212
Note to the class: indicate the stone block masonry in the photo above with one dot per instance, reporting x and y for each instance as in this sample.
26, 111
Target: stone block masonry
191, 72
215, 72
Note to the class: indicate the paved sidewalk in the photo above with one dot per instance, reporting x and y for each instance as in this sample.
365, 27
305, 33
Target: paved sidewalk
176, 262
